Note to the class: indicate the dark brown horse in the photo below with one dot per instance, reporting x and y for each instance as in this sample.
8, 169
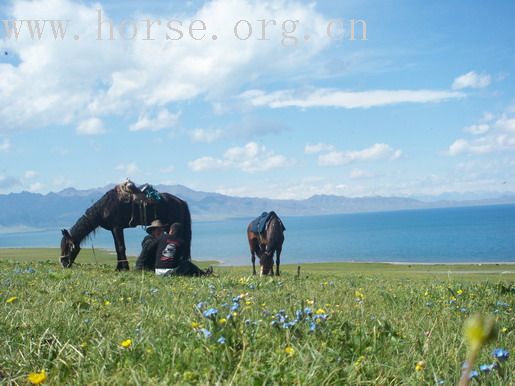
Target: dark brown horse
115, 212
265, 244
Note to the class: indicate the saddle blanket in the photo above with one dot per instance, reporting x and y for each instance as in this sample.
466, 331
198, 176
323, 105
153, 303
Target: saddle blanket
259, 224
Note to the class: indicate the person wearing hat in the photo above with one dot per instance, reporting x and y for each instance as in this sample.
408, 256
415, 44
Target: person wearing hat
147, 258
171, 258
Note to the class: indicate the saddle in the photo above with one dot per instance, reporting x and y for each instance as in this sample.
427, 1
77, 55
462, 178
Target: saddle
139, 198
260, 224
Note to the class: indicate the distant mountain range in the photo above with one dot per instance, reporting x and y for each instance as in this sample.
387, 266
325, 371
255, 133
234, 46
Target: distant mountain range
33, 210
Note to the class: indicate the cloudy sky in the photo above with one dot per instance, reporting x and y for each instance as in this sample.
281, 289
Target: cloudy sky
241, 104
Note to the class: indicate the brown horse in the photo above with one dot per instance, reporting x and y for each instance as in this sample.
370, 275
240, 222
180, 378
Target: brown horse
265, 244
118, 210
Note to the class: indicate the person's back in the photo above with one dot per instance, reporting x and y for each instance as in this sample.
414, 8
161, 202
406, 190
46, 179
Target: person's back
171, 257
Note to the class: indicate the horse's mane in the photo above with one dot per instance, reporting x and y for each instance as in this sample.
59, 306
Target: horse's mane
86, 225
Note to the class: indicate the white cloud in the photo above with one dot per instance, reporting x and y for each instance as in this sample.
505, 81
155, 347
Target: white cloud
163, 119
206, 135
5, 145
317, 148
375, 152
128, 169
36, 187
123, 77
30, 174
344, 99
250, 158
477, 129
496, 137
471, 80
92, 126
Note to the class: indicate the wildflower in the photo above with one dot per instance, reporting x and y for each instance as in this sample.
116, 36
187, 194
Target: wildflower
502, 304
308, 311
501, 354
37, 378
420, 366
222, 321
310, 302
83, 345
289, 350
11, 299
211, 313
359, 295
107, 302
221, 340
153, 290
478, 331
473, 374
312, 327
195, 325
459, 292
235, 307
487, 368
206, 333
504, 330
320, 311
126, 343
200, 305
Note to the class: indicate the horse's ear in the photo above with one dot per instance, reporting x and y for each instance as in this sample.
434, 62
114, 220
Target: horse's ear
66, 234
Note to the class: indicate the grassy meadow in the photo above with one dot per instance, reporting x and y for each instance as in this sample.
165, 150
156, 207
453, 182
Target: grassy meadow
345, 323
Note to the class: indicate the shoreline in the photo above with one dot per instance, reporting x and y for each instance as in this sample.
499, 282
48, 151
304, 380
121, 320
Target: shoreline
244, 262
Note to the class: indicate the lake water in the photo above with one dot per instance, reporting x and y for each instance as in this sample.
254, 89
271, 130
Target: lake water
473, 234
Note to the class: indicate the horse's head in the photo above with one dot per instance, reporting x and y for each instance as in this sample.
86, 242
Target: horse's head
69, 250
266, 260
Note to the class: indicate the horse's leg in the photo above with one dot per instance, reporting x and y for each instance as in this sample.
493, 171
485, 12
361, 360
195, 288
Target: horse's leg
119, 242
278, 260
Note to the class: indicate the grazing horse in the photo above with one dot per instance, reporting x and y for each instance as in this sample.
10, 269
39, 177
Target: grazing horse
122, 208
265, 244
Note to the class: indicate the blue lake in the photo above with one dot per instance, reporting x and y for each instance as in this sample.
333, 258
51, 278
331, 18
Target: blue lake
472, 234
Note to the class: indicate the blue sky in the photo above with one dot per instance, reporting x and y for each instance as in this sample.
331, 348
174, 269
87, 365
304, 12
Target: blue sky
424, 106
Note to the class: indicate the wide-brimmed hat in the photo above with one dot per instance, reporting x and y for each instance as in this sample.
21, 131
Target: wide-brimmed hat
155, 224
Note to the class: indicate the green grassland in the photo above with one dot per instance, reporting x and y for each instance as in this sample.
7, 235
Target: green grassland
338, 323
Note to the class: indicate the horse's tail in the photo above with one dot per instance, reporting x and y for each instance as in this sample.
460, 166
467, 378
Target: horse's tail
187, 228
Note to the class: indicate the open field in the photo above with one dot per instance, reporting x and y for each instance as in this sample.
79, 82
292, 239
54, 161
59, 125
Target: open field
360, 324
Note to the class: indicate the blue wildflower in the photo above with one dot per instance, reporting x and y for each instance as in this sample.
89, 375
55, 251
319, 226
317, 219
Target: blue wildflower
200, 305
221, 340
252, 286
247, 322
236, 299
235, 307
463, 310
501, 354
298, 315
210, 313
473, 374
502, 304
312, 327
225, 305
487, 368
206, 333
153, 290
308, 311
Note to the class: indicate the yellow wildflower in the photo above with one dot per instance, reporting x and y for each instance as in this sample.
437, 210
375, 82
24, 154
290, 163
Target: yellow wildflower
37, 378
126, 343
359, 361
459, 292
310, 302
11, 299
359, 294
107, 302
420, 365
222, 321
320, 311
504, 329
195, 325
289, 350
478, 331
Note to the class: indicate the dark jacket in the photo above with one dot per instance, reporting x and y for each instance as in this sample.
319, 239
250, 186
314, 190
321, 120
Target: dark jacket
170, 252
147, 257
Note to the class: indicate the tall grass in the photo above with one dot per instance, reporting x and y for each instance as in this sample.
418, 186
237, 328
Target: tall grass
322, 328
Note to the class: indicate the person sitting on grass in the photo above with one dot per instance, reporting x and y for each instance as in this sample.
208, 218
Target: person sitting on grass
147, 258
170, 256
